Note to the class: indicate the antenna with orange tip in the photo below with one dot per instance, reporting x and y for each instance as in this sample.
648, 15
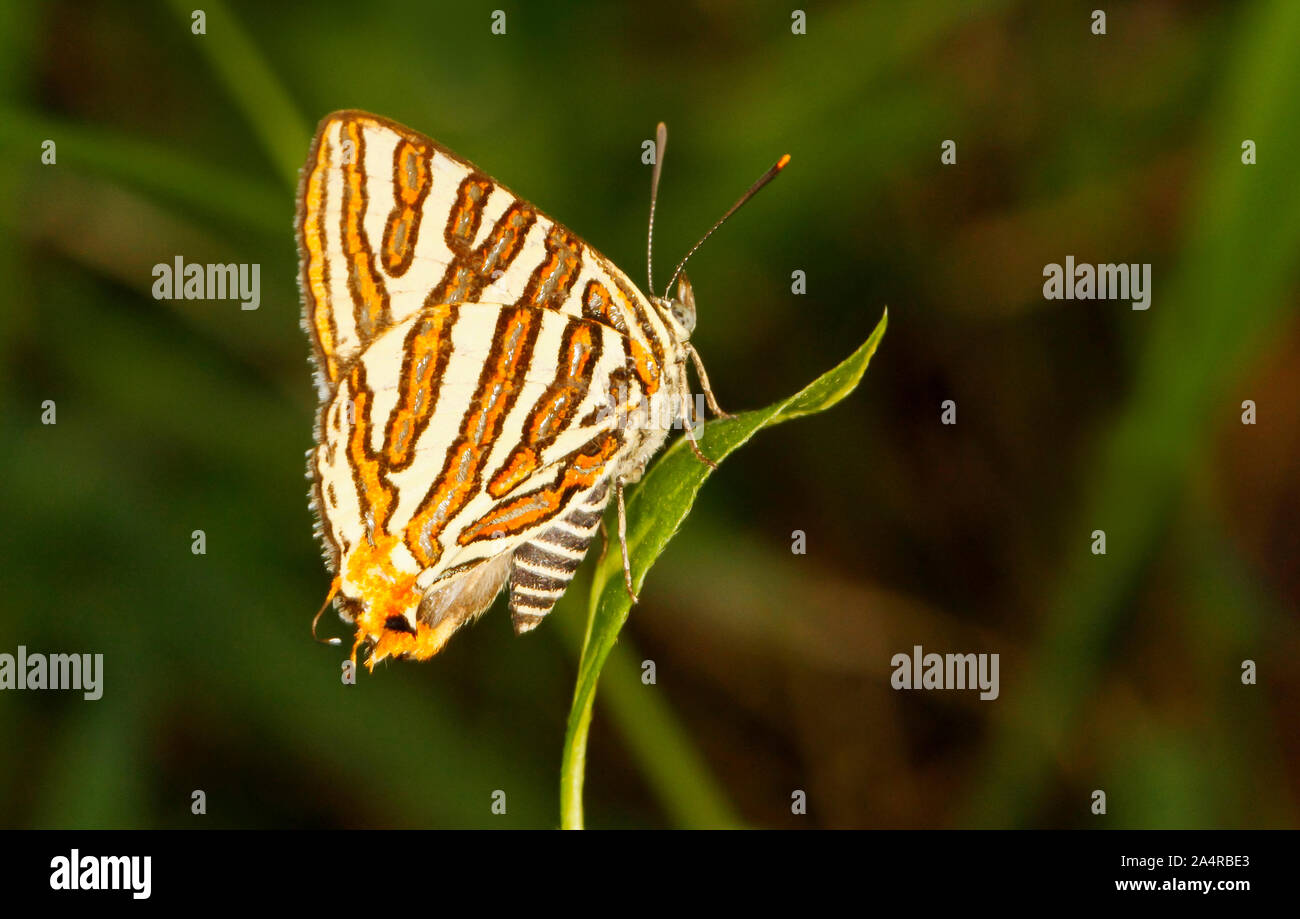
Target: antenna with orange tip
753, 190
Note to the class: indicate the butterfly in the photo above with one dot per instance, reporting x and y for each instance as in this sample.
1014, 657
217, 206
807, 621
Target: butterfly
488, 383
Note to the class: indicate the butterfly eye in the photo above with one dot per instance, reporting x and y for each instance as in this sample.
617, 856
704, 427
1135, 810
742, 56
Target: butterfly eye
685, 315
683, 305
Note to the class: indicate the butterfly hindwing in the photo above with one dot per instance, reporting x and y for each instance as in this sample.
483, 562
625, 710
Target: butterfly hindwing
464, 432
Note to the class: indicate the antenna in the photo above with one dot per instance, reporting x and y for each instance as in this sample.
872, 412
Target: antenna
753, 190
334, 589
661, 141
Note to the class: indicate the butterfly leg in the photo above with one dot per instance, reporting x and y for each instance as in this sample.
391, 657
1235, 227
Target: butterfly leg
604, 543
695, 448
622, 540
690, 424
704, 384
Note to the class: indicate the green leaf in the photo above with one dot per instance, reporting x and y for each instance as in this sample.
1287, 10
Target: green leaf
655, 511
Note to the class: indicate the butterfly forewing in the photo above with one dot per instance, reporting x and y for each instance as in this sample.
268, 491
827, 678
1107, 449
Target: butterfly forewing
477, 361
390, 221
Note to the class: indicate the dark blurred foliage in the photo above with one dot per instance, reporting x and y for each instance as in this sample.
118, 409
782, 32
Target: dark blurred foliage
1119, 672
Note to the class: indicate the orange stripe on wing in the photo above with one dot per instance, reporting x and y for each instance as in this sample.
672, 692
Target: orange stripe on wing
473, 269
581, 471
505, 241
646, 363
551, 281
647, 370
425, 355
375, 493
320, 316
412, 179
369, 297
554, 410
467, 213
598, 304
498, 388
521, 463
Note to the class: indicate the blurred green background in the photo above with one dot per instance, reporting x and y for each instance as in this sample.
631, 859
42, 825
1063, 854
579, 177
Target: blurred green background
1119, 672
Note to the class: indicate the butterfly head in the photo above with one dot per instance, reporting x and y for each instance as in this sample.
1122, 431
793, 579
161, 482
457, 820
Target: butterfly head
680, 309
